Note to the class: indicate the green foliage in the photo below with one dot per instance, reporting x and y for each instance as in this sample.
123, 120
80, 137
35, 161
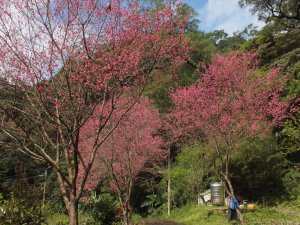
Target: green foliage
188, 176
54, 199
150, 197
15, 167
23, 205
57, 219
283, 49
290, 134
277, 49
62, 219
283, 13
231, 43
183, 11
293, 84
257, 170
102, 208
159, 89
185, 76
152, 201
19, 211
135, 218
217, 35
203, 45
226, 43
291, 182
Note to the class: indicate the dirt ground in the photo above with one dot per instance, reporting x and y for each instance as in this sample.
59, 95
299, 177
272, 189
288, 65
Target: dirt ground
159, 222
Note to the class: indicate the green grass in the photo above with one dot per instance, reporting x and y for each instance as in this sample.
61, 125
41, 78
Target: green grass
197, 215
192, 215
275, 215
62, 219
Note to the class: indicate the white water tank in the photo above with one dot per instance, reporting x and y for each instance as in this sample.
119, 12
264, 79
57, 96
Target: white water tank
217, 193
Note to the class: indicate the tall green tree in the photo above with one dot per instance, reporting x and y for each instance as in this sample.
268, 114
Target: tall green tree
284, 13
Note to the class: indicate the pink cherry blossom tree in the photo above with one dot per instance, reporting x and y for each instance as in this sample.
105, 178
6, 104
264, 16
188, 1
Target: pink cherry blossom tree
132, 148
60, 60
232, 100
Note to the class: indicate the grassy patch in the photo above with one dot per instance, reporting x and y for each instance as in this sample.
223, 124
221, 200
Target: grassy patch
197, 215
192, 215
62, 219
284, 215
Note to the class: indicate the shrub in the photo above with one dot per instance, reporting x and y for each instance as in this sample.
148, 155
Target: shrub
292, 183
19, 211
102, 208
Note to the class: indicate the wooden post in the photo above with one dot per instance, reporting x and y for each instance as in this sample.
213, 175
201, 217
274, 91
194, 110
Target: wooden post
169, 182
44, 189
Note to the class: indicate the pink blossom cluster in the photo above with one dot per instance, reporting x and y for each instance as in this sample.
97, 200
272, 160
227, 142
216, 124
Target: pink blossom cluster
132, 147
232, 99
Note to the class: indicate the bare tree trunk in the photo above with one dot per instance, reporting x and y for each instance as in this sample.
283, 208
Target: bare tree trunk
169, 183
73, 211
126, 216
240, 215
231, 192
126, 212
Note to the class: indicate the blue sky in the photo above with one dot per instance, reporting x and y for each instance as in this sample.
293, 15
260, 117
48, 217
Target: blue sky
223, 14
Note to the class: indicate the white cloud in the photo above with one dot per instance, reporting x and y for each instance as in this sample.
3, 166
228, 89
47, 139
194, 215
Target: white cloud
227, 15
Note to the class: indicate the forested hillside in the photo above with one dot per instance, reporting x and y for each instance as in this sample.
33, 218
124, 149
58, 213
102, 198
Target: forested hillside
116, 111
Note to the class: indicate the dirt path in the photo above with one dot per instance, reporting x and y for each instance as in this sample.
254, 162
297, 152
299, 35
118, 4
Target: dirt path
159, 222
